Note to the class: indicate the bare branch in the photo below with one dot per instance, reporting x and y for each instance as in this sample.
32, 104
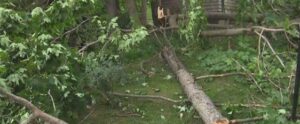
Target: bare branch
250, 75
270, 46
246, 120
237, 31
88, 45
71, 30
146, 96
53, 103
220, 75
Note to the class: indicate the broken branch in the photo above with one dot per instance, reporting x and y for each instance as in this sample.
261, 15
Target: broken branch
36, 112
146, 96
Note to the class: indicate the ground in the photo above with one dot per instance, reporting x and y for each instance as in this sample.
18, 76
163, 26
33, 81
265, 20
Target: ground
225, 90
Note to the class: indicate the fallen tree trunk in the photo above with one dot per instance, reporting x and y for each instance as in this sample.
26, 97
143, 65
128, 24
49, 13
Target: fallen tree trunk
200, 101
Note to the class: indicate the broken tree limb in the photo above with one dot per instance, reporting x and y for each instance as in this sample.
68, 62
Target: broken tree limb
270, 46
146, 96
220, 75
36, 112
241, 121
225, 32
246, 120
200, 101
237, 31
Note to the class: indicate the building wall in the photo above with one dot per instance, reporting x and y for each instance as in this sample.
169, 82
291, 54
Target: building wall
221, 6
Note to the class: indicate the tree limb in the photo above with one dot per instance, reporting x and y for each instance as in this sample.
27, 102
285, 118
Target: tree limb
219, 75
146, 96
270, 46
246, 120
71, 30
237, 31
36, 112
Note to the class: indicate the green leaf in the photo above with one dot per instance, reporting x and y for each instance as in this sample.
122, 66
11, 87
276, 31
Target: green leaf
3, 84
282, 111
37, 12
4, 40
80, 95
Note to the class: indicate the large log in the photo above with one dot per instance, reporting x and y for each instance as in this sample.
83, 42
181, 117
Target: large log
201, 102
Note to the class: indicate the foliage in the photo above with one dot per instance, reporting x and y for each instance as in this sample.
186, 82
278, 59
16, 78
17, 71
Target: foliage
196, 22
273, 80
37, 62
71, 51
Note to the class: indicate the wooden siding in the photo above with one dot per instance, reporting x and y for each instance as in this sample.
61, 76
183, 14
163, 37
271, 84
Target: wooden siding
217, 6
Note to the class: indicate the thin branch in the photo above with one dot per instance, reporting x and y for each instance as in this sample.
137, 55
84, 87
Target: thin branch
35, 110
259, 50
242, 105
91, 112
250, 75
108, 39
159, 29
240, 121
146, 96
237, 31
128, 114
288, 39
53, 103
148, 73
246, 120
220, 75
270, 46
71, 30
88, 45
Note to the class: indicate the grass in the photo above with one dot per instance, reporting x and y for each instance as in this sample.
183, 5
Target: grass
163, 83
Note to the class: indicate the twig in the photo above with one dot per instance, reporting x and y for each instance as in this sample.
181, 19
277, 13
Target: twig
242, 105
70, 31
220, 75
127, 114
152, 30
270, 46
53, 104
246, 120
108, 39
239, 121
250, 75
288, 39
146, 96
91, 112
149, 74
36, 112
258, 50
88, 45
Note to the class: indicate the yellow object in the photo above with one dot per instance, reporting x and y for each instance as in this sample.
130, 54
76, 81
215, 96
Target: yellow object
160, 13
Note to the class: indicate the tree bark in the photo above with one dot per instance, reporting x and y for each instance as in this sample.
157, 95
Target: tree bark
143, 16
200, 101
133, 13
112, 7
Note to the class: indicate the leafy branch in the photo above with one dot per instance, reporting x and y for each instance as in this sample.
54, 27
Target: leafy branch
36, 112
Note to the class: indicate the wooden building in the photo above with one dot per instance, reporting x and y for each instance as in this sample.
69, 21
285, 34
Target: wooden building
220, 11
